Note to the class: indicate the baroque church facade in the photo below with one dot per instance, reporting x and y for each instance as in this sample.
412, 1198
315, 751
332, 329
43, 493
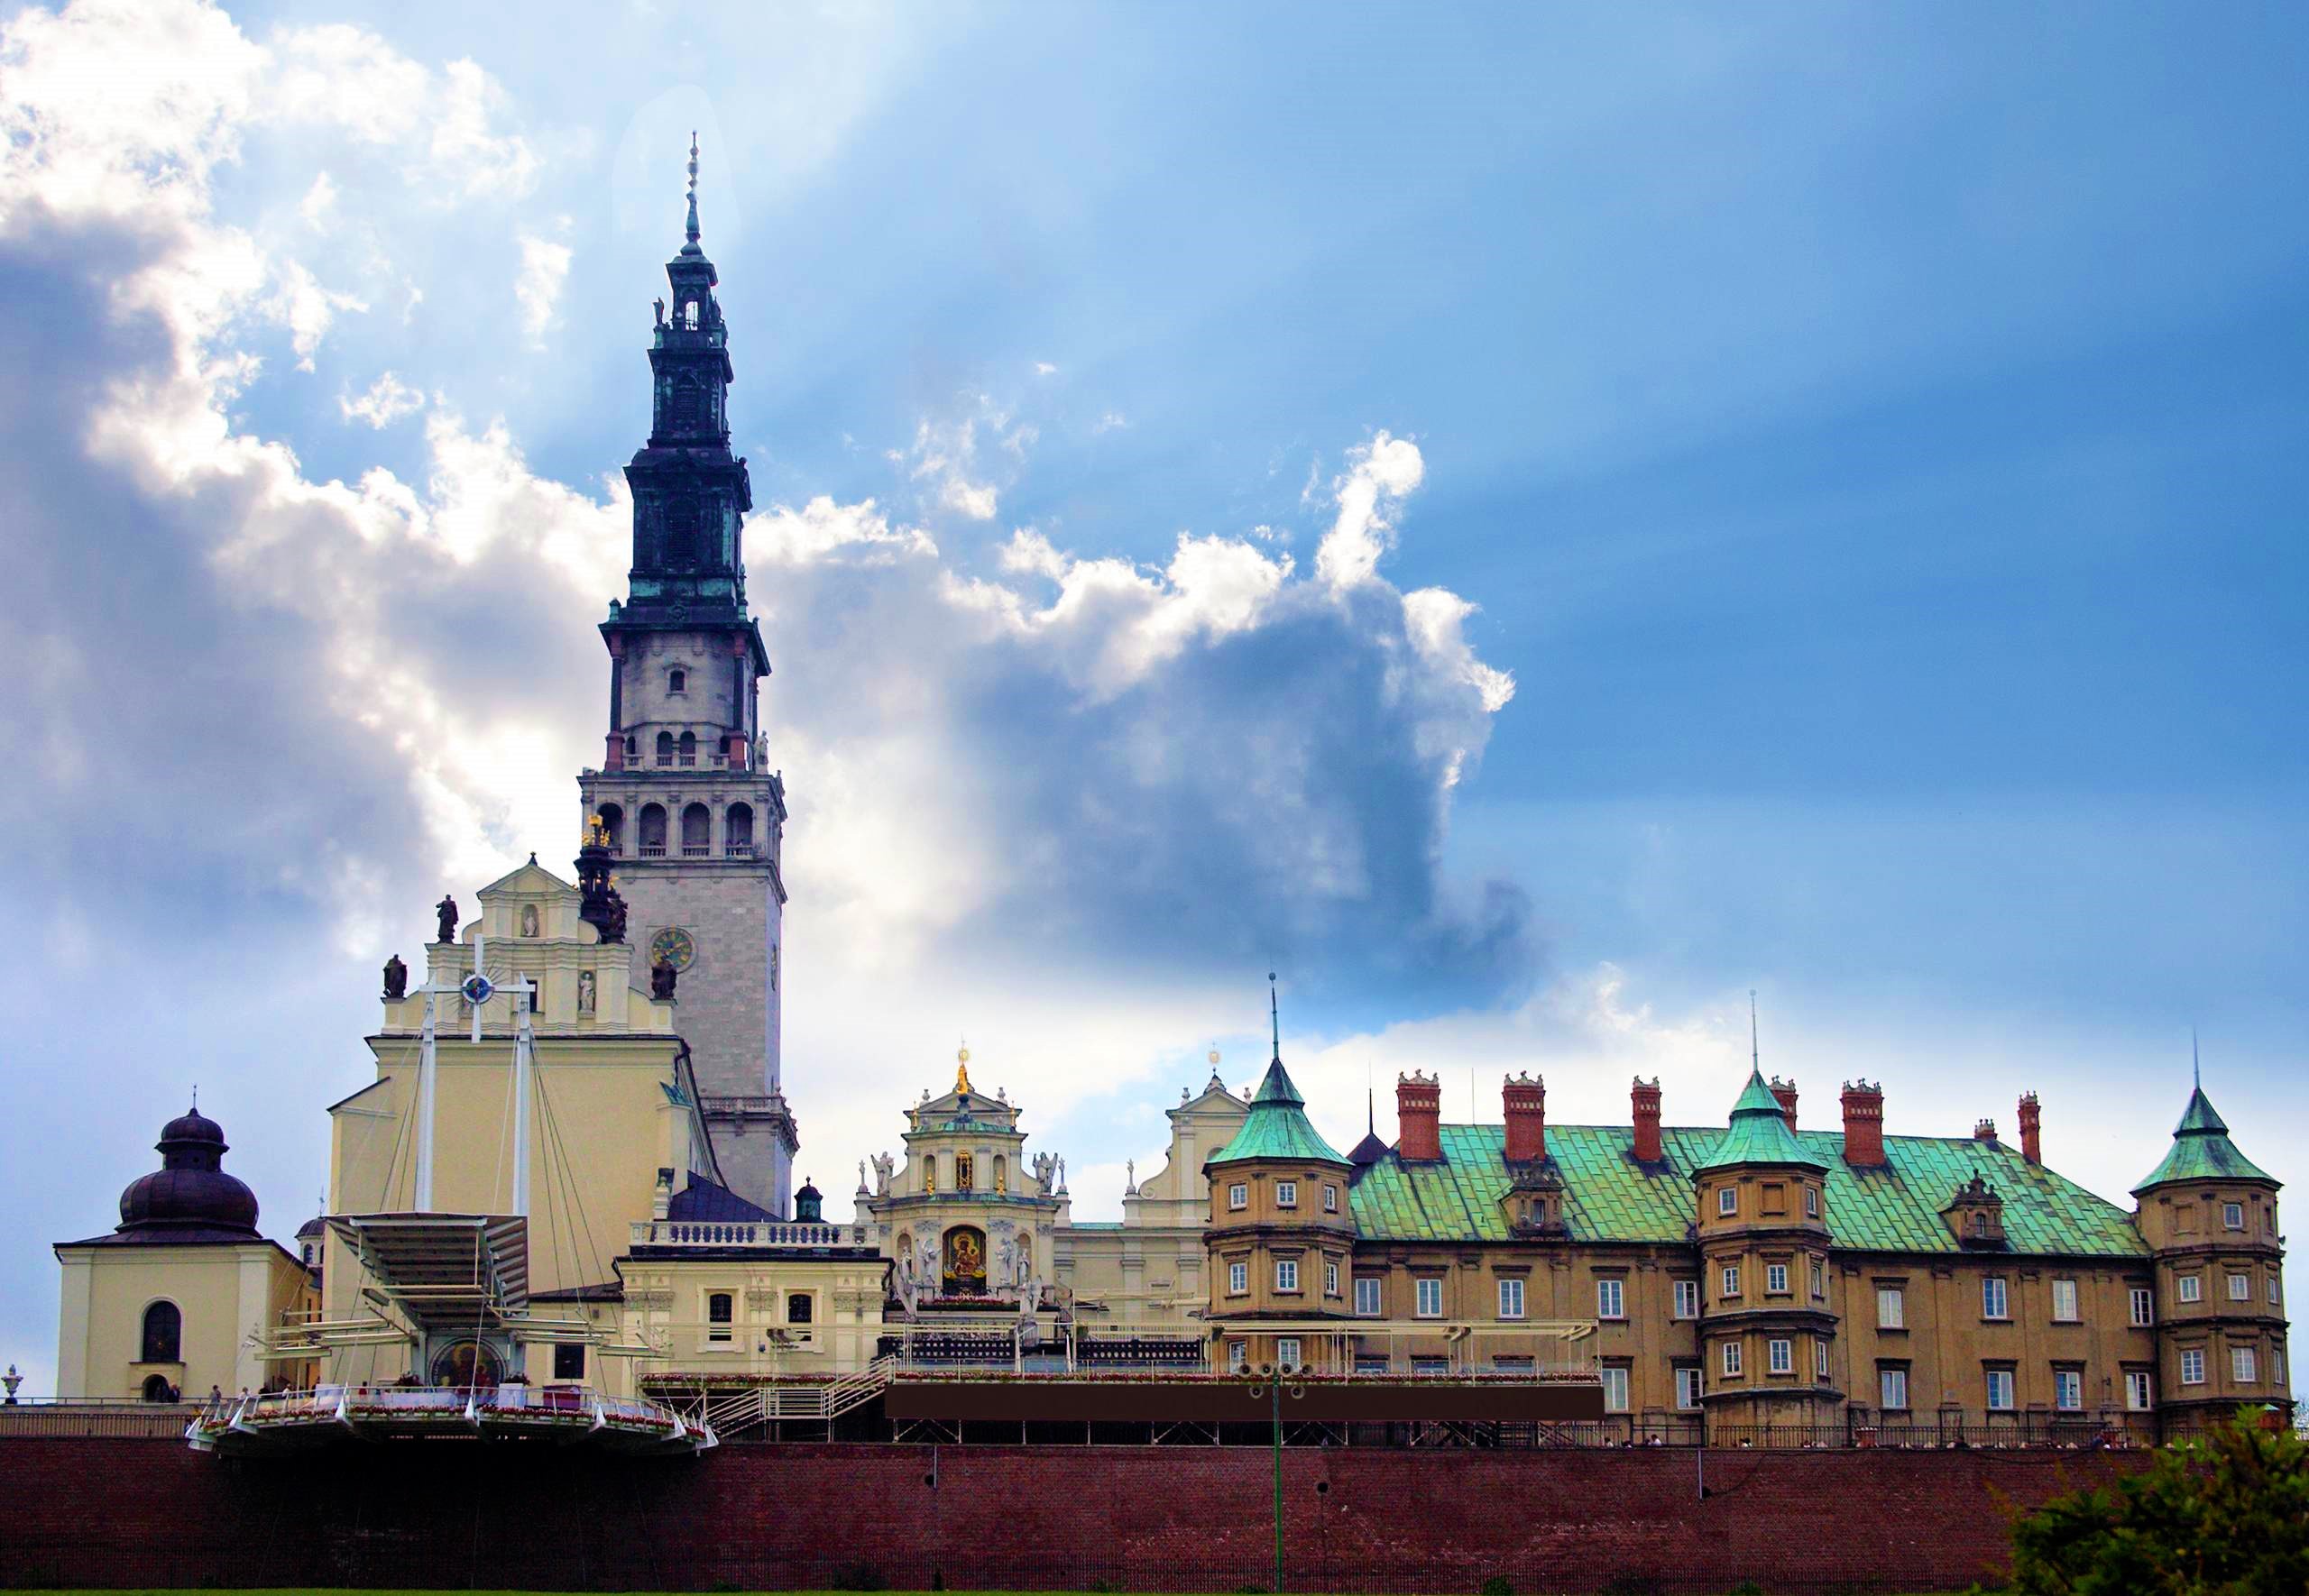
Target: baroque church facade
583, 1090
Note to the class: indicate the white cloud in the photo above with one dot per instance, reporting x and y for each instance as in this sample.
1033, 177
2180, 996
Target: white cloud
1111, 421
1379, 475
545, 267
389, 399
821, 529
307, 309
1043, 367
319, 207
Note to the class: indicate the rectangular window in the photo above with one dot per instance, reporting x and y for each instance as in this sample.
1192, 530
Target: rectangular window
2193, 1365
1331, 1278
569, 1360
1370, 1362
1727, 1200
1430, 1365
1286, 1351
2277, 1367
1512, 1362
1511, 1299
1781, 1354
1238, 1278
2240, 1288
1238, 1357
2273, 1287
1811, 1202
2144, 1306
1992, 1301
2137, 1391
1891, 1305
1427, 1298
1729, 1281
2068, 1390
2241, 1364
1776, 1279
2232, 1216
1286, 1194
2000, 1391
2190, 1288
1238, 1196
1731, 1357
1614, 1389
1687, 1299
1820, 1279
963, 1171
2064, 1302
1686, 1385
1286, 1274
1610, 1300
719, 1310
1892, 1390
1366, 1294
1820, 1357
1331, 1200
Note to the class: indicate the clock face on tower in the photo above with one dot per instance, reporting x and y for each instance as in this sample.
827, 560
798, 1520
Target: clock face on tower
673, 946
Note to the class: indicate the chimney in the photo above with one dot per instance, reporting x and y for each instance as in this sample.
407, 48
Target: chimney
2032, 1146
1863, 1124
1419, 1118
1983, 1130
1785, 1091
1526, 1102
1645, 1100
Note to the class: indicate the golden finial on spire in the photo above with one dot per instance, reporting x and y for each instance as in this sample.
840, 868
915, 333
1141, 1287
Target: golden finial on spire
962, 1068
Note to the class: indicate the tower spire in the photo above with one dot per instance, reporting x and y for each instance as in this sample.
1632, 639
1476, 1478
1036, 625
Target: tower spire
690, 248
1274, 1016
2196, 1068
1755, 1051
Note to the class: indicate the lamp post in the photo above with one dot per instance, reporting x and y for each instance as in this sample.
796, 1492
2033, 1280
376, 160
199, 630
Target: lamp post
1271, 1380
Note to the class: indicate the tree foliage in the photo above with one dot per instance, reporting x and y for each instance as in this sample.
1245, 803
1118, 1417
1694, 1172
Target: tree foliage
2223, 1514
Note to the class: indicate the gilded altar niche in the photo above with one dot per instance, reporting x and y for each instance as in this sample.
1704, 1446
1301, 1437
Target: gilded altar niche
964, 1274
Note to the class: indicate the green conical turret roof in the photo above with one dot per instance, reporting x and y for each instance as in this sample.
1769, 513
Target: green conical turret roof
2201, 1150
1278, 1127
1759, 1134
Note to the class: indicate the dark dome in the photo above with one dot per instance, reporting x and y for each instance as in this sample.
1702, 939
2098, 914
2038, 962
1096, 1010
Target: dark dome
190, 1190
808, 1190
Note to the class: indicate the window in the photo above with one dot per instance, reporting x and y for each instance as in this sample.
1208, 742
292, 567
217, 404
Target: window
1512, 1362
1238, 1197
1992, 1299
1331, 1278
1729, 1281
2000, 1391
2273, 1287
1430, 1365
1780, 1355
1892, 1390
1727, 1200
1611, 1299
1820, 1357
1237, 1358
2241, 1364
688, 749
1366, 1294
2193, 1365
2232, 1216
1732, 1358
1511, 1299
1286, 1274
569, 1360
1811, 1202
1687, 1385
2137, 1391
2068, 1390
2144, 1306
2064, 1302
1331, 1200
1614, 1388
1286, 1351
717, 1316
697, 824
653, 831
2277, 1367
1370, 1362
1776, 1279
1687, 1299
1820, 1279
1286, 1194
738, 831
676, 680
964, 1172
2240, 1288
1427, 1298
163, 1336
799, 1307
665, 748
2190, 1289
1238, 1278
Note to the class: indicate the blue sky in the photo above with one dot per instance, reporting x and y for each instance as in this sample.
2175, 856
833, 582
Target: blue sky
1871, 439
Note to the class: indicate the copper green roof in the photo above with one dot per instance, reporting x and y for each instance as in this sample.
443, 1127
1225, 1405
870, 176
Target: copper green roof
1609, 1197
2201, 1150
1277, 1127
1759, 1134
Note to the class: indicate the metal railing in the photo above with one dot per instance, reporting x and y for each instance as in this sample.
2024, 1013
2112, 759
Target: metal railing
93, 1417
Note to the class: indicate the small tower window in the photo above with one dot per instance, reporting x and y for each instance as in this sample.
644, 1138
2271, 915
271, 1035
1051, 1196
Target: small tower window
653, 831
613, 828
962, 1172
688, 749
738, 831
697, 825
163, 1335
665, 748
689, 313
676, 680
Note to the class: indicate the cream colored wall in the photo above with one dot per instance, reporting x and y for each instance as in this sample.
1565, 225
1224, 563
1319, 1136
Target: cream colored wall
224, 1292
1150, 1268
666, 1305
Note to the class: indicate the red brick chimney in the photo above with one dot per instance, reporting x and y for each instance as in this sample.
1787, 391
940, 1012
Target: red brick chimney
1863, 1124
2032, 1146
1419, 1118
1526, 1102
1645, 1100
1785, 1090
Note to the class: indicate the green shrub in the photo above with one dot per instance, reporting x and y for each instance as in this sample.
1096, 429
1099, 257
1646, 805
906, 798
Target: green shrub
1498, 1584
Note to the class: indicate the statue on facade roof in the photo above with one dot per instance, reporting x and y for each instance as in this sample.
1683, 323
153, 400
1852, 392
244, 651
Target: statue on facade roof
885, 1167
1045, 1166
447, 910
662, 976
396, 980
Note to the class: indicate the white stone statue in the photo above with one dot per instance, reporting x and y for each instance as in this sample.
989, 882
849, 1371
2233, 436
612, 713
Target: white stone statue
910, 1288
584, 992
1046, 1169
885, 1167
1130, 1177
927, 1264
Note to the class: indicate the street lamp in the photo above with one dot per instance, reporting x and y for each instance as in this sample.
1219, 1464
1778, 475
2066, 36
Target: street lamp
1271, 1380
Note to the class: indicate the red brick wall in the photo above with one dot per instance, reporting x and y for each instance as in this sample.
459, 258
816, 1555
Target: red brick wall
114, 1513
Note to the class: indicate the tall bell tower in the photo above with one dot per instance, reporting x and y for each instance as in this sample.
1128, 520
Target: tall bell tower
694, 817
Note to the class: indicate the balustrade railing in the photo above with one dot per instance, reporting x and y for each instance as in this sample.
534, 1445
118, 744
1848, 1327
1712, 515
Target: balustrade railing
718, 1232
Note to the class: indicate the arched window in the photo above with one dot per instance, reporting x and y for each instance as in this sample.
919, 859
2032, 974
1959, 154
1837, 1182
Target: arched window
632, 747
697, 832
157, 1388
613, 827
689, 313
164, 1333
653, 831
676, 680
665, 748
797, 1307
1001, 1174
738, 833
688, 749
